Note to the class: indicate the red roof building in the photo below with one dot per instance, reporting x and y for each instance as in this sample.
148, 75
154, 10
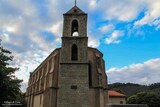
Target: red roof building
113, 93
116, 97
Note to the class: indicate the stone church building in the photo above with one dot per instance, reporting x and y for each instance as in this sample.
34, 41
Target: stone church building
73, 75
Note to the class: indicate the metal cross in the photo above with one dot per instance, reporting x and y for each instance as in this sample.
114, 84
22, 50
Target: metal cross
75, 2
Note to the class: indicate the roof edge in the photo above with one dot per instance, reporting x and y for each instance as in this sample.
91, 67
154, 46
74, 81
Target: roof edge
72, 11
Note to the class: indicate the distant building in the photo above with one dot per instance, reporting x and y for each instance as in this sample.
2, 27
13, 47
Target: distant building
73, 75
116, 97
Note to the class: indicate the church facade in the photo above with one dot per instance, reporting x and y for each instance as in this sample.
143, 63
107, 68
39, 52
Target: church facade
73, 75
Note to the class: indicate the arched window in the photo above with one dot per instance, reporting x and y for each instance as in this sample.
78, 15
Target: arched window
74, 53
74, 28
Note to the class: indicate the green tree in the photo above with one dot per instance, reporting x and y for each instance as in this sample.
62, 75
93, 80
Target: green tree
131, 99
9, 83
152, 99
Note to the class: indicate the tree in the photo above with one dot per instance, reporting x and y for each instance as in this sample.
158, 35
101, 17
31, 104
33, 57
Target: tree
9, 83
152, 99
132, 99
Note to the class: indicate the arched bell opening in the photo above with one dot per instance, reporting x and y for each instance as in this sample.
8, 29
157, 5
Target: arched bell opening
74, 31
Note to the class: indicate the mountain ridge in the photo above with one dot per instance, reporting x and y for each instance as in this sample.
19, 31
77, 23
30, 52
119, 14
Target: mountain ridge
130, 89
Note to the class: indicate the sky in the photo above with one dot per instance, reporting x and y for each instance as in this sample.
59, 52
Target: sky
127, 32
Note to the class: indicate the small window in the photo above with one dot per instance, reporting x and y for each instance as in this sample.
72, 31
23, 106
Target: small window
121, 102
74, 27
74, 53
74, 87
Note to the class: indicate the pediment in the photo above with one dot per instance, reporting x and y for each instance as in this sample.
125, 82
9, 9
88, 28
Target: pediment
75, 10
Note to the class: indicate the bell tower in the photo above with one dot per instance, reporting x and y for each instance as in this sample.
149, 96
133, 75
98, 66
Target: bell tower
75, 21
74, 39
73, 75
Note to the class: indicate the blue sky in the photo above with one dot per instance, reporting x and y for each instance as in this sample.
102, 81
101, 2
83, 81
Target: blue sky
127, 32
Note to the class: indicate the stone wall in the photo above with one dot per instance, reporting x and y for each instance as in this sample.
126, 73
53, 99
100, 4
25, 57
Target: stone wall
73, 88
41, 79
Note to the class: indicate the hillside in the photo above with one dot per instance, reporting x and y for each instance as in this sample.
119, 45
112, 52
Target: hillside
130, 88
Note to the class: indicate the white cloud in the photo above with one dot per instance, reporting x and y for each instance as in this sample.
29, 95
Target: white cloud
114, 38
126, 10
40, 42
142, 73
152, 14
93, 42
24, 86
56, 29
129, 10
106, 28
21, 27
93, 4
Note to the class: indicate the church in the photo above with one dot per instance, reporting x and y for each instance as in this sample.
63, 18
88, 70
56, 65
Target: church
73, 75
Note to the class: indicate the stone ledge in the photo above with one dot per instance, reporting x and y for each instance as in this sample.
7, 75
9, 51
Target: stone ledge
127, 105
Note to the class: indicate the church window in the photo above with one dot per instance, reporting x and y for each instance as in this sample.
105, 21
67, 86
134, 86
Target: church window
50, 65
90, 75
74, 28
75, 10
40, 99
40, 74
74, 53
42, 84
